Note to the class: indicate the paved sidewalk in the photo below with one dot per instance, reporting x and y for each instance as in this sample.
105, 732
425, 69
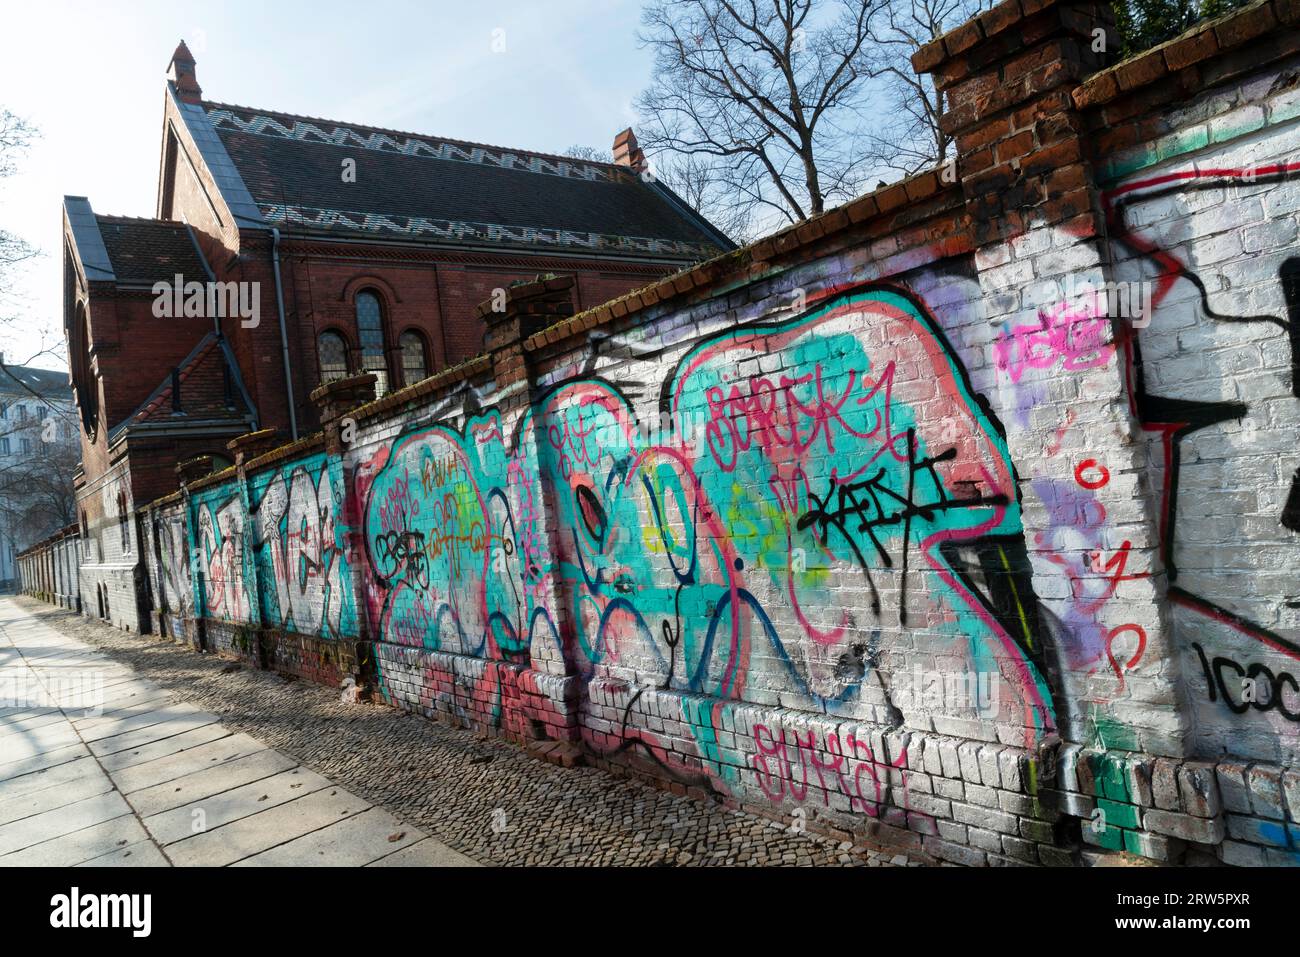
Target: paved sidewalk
481, 796
99, 766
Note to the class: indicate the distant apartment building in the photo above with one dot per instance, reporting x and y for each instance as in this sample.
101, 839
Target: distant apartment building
39, 449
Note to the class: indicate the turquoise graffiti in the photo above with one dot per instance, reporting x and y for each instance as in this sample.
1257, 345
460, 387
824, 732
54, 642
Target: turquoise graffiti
814, 494
457, 554
823, 491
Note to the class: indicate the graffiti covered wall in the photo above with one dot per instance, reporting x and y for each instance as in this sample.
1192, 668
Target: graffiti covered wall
704, 518
219, 519
301, 548
980, 540
1215, 379
167, 550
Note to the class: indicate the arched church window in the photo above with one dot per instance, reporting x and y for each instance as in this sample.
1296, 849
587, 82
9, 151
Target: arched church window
370, 331
414, 367
333, 353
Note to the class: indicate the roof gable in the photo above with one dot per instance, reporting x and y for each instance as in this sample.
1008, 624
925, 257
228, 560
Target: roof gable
210, 388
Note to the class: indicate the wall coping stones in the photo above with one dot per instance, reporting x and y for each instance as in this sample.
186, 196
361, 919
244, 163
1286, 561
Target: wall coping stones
758, 258
1196, 45
431, 386
305, 445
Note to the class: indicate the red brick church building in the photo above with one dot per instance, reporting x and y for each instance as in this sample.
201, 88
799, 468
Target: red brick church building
330, 248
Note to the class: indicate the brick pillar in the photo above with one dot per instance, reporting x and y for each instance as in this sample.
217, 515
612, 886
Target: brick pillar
244, 448
510, 319
1057, 369
187, 471
252, 444
335, 401
549, 688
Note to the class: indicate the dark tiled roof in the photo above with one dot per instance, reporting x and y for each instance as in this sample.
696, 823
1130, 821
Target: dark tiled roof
149, 250
41, 381
206, 391
437, 189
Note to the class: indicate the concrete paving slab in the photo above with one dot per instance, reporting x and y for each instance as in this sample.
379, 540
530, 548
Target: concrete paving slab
130, 696
427, 853
141, 854
214, 780
37, 731
58, 795
160, 749
113, 727
75, 783
120, 707
19, 747
24, 725
268, 829
60, 774
52, 655
352, 842
77, 847
229, 806
156, 732
115, 686
26, 710
178, 765
122, 687
49, 759
18, 835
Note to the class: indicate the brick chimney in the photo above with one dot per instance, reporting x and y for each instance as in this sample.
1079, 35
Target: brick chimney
628, 153
180, 71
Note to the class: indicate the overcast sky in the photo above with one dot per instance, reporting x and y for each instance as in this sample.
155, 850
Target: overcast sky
90, 76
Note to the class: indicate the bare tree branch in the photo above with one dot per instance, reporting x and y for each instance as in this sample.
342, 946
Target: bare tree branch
16, 134
907, 137
764, 97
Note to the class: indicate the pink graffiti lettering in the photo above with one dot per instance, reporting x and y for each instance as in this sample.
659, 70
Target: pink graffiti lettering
857, 774
1064, 333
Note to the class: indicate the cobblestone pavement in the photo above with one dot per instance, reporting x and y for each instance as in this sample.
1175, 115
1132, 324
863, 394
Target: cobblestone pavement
482, 796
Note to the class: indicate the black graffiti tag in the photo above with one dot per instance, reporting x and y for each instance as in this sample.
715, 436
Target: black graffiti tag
869, 505
403, 551
1275, 683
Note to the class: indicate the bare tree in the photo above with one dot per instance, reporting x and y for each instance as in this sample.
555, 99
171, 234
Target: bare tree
37, 497
703, 184
590, 154
696, 181
765, 96
907, 137
16, 134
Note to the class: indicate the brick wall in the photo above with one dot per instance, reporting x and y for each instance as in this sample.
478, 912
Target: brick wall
435, 295
49, 569
961, 517
166, 549
1206, 214
111, 576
